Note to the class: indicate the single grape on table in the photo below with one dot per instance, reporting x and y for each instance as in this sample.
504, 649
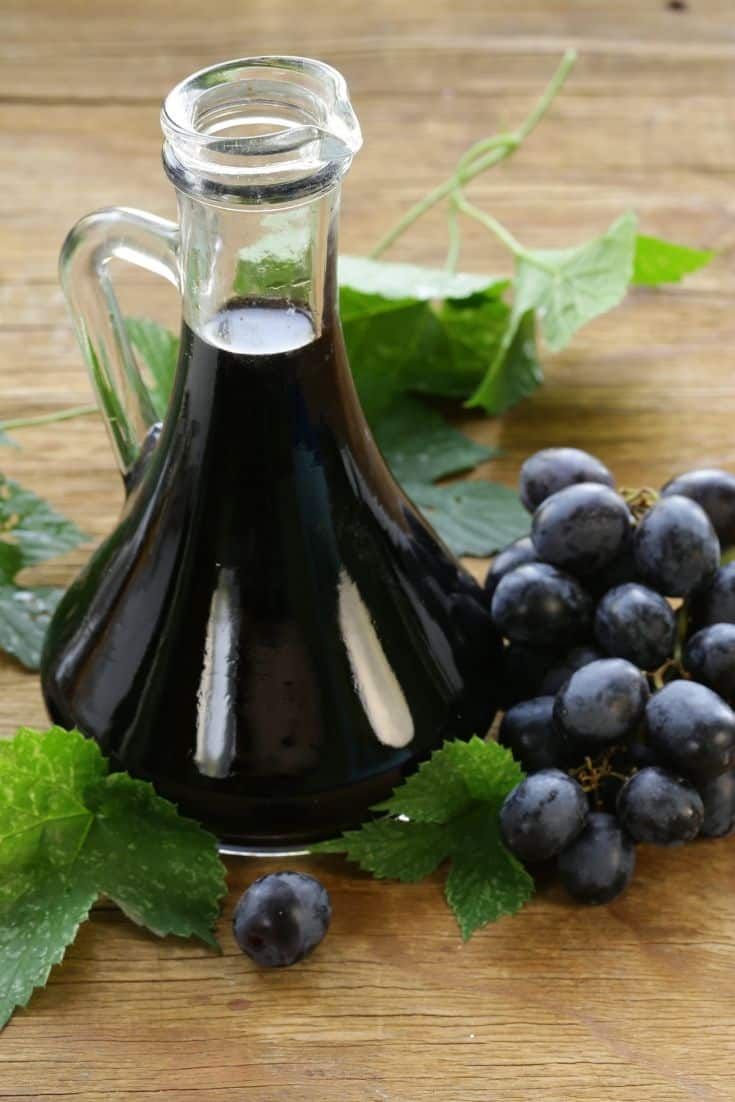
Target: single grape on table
281, 918
618, 617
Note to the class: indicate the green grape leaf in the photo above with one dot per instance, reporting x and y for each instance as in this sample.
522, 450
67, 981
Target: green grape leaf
391, 848
563, 289
70, 830
41, 909
448, 809
472, 332
384, 338
25, 613
485, 880
11, 561
657, 261
420, 446
28, 523
401, 281
30, 532
473, 518
515, 372
569, 287
399, 345
161, 869
453, 777
43, 779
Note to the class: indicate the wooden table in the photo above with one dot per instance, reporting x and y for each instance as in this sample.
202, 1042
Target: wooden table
630, 1003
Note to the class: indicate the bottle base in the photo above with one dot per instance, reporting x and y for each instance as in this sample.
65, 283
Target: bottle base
227, 849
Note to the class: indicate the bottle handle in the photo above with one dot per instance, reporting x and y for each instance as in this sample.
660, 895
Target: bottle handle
144, 240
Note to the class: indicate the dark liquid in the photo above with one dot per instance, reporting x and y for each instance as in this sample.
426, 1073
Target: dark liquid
272, 635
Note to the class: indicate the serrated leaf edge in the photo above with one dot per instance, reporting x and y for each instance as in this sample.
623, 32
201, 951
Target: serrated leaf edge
207, 936
56, 959
467, 930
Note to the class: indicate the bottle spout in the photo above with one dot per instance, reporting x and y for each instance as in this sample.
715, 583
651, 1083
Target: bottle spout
259, 130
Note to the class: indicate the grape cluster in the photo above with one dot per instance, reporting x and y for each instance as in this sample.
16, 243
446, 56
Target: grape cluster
619, 628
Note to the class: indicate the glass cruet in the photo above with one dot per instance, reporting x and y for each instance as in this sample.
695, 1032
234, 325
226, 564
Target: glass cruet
272, 634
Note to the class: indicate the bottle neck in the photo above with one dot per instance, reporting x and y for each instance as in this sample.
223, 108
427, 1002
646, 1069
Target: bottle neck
261, 255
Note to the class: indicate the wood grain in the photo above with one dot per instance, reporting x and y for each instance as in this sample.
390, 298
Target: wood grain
632, 1003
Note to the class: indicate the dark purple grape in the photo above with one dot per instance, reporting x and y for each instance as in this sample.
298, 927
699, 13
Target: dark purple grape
656, 807
581, 528
542, 815
553, 469
692, 728
676, 547
539, 605
516, 554
598, 865
709, 657
558, 674
636, 623
714, 490
715, 603
529, 733
718, 797
602, 703
281, 918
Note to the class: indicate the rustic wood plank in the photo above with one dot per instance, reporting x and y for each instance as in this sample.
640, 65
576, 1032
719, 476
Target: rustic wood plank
576, 1004
632, 1003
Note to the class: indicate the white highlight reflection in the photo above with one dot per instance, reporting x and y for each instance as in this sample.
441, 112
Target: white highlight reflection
376, 684
216, 721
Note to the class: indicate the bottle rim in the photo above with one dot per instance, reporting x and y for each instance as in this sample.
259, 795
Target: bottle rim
259, 130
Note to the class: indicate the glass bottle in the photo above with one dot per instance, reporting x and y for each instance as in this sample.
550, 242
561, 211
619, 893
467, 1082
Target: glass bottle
273, 635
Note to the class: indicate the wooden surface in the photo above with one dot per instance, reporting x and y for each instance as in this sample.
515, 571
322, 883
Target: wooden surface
630, 1003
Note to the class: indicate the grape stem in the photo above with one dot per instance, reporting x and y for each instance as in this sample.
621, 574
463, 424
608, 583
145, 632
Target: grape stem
591, 773
455, 237
478, 158
673, 666
640, 500
46, 418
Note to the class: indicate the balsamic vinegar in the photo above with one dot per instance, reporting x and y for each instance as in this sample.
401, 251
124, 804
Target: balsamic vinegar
272, 635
